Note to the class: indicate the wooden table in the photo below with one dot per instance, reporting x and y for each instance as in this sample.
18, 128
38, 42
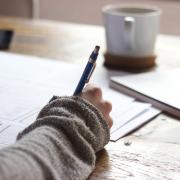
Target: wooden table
152, 152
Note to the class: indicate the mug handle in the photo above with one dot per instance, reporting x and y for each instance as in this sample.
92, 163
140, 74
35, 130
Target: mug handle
129, 24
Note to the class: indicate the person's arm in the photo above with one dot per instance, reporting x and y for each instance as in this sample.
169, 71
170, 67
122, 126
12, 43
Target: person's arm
63, 141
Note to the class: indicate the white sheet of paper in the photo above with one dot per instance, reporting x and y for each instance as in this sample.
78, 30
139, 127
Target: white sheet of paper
133, 110
8, 136
135, 123
28, 83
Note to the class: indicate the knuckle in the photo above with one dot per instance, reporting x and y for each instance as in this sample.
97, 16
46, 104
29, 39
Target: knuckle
93, 92
96, 91
108, 106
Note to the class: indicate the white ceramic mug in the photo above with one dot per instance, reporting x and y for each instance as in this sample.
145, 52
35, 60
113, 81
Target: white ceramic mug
131, 30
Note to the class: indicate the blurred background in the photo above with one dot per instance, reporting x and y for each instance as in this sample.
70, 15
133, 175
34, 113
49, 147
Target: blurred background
88, 12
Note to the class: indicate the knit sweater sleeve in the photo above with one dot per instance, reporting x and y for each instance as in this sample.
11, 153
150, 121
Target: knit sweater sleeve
60, 144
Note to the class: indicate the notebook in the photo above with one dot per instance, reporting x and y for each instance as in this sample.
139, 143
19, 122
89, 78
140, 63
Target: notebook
161, 89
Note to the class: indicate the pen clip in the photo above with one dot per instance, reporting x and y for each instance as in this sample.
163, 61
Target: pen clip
90, 74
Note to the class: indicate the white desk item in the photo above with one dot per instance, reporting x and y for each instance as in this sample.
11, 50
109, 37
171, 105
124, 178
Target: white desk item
161, 89
134, 123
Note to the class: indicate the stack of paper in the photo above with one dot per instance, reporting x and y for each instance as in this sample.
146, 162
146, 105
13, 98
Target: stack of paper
127, 113
27, 84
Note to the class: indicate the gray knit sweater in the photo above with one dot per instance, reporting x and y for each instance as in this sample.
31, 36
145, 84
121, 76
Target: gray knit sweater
61, 144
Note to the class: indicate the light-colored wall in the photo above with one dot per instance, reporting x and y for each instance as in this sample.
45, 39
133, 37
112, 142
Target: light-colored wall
89, 11
20, 8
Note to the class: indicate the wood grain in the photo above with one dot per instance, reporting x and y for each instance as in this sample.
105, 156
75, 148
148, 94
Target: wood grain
152, 152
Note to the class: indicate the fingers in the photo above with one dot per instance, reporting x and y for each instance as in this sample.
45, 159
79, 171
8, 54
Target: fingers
93, 91
96, 93
93, 94
107, 106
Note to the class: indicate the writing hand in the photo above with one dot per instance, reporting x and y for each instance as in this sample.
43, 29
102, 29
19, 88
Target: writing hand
93, 94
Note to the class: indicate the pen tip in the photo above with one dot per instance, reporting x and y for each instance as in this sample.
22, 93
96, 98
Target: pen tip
96, 49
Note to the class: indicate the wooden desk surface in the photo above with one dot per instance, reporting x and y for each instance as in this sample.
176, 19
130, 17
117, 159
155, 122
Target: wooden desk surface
152, 152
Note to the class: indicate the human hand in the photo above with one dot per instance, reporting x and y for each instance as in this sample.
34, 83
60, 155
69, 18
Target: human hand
93, 94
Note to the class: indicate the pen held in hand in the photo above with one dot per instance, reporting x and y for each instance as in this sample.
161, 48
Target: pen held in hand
90, 66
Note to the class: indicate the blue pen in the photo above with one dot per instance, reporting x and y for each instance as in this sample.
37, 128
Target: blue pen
90, 66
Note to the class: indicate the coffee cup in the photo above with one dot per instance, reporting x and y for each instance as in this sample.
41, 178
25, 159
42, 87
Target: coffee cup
131, 30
